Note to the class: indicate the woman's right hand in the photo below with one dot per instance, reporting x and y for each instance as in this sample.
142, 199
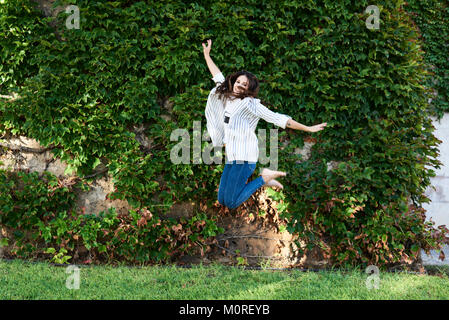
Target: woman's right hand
206, 48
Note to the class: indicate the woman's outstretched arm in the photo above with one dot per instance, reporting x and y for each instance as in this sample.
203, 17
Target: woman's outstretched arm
212, 67
292, 124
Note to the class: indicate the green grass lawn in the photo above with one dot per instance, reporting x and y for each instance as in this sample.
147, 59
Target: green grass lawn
23, 280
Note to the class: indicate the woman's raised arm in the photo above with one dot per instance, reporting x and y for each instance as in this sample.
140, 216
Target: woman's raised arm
212, 67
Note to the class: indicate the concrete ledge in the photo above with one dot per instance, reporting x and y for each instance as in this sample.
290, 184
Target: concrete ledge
433, 258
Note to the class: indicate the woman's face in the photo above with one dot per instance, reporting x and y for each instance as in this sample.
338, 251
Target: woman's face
241, 84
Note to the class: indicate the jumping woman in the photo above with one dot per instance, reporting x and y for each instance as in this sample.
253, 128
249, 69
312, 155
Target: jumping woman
232, 113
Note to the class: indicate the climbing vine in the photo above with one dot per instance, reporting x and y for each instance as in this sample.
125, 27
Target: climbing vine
81, 92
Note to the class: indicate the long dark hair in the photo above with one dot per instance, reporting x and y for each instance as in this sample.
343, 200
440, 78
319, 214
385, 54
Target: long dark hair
225, 89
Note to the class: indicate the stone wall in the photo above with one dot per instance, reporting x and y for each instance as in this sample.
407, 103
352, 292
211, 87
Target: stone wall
438, 208
438, 193
247, 234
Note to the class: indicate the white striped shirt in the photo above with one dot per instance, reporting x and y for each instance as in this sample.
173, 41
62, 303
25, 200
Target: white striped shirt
239, 134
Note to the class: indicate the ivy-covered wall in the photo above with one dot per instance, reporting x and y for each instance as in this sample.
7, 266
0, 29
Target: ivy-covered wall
432, 19
80, 91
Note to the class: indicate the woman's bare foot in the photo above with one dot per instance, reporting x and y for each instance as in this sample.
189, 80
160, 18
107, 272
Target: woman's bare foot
268, 174
274, 183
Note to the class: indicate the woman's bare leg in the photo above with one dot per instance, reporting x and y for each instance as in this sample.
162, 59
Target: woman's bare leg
268, 174
274, 183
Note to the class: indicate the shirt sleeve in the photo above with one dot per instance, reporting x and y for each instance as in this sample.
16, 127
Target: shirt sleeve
259, 110
214, 126
218, 78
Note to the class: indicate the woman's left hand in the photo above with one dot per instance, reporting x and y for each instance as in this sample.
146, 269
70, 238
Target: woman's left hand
317, 127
